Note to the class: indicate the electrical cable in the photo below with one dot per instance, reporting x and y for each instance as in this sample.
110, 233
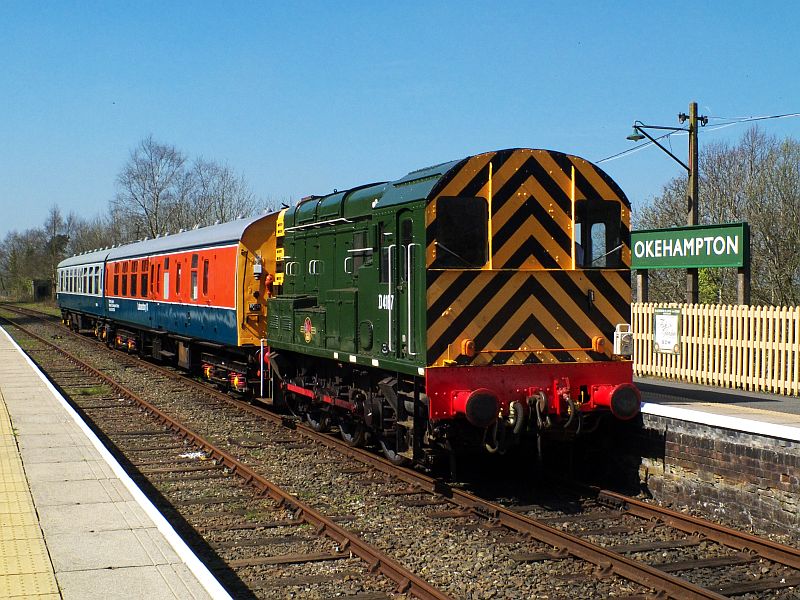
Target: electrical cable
731, 122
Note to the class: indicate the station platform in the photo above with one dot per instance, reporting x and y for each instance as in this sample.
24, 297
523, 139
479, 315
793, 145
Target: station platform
73, 525
769, 415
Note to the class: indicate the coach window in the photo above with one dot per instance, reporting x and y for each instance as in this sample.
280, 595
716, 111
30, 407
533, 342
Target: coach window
125, 278
116, 279
144, 270
194, 277
97, 289
597, 234
205, 278
461, 233
177, 278
134, 277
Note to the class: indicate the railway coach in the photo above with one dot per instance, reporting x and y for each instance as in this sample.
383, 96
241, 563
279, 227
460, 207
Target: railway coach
196, 298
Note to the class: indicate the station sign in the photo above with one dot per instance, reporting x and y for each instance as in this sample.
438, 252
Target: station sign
691, 247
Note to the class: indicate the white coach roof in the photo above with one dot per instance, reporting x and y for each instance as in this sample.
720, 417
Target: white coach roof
212, 235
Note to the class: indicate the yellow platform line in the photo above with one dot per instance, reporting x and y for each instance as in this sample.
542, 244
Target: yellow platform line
25, 567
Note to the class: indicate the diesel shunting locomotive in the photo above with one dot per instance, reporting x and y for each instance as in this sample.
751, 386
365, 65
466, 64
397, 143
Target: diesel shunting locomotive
466, 305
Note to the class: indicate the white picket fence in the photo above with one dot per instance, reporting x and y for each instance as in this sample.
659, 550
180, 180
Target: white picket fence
754, 348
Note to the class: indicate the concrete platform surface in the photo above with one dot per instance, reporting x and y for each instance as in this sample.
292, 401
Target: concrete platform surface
758, 413
73, 525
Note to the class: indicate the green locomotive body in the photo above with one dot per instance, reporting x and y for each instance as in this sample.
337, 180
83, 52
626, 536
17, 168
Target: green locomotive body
462, 305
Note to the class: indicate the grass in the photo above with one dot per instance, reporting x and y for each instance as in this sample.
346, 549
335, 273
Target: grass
48, 307
96, 390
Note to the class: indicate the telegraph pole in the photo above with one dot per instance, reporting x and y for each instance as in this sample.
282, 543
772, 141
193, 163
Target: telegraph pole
692, 193
692, 278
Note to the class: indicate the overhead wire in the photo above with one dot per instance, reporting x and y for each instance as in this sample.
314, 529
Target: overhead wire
731, 122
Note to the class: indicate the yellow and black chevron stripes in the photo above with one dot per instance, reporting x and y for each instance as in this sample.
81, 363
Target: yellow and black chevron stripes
530, 203
526, 305
518, 317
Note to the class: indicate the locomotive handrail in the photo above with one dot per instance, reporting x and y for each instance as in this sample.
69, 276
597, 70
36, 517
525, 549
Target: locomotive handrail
409, 296
391, 293
317, 224
589, 349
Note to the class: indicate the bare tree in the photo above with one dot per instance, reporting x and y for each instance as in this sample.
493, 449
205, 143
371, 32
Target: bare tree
23, 257
758, 181
149, 187
57, 239
219, 194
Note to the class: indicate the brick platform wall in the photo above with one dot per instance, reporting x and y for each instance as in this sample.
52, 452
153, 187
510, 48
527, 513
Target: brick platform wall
746, 477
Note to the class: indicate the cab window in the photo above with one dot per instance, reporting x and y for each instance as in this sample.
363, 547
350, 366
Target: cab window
598, 244
461, 236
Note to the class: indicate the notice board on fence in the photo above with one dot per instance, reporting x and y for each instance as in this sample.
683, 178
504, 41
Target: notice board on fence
667, 330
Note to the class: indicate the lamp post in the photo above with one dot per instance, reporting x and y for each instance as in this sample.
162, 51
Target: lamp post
640, 133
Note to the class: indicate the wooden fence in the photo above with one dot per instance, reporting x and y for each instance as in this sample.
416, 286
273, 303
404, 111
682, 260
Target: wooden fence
754, 348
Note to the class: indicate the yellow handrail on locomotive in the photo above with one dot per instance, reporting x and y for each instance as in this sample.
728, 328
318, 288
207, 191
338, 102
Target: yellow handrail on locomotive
468, 348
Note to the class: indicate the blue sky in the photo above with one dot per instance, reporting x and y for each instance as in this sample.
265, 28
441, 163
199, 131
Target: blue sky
304, 97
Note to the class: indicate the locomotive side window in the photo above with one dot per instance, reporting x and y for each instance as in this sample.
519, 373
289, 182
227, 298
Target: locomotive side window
125, 279
116, 279
461, 233
597, 234
361, 250
385, 242
406, 238
205, 278
177, 278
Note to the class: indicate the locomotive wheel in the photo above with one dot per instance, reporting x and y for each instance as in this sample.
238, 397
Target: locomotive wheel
353, 433
389, 450
319, 420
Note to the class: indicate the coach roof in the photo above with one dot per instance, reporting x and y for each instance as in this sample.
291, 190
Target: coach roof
87, 258
214, 235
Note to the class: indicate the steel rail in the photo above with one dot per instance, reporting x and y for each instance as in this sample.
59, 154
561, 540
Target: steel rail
739, 540
606, 560
406, 580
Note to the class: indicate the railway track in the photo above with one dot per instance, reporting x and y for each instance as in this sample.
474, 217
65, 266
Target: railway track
530, 544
